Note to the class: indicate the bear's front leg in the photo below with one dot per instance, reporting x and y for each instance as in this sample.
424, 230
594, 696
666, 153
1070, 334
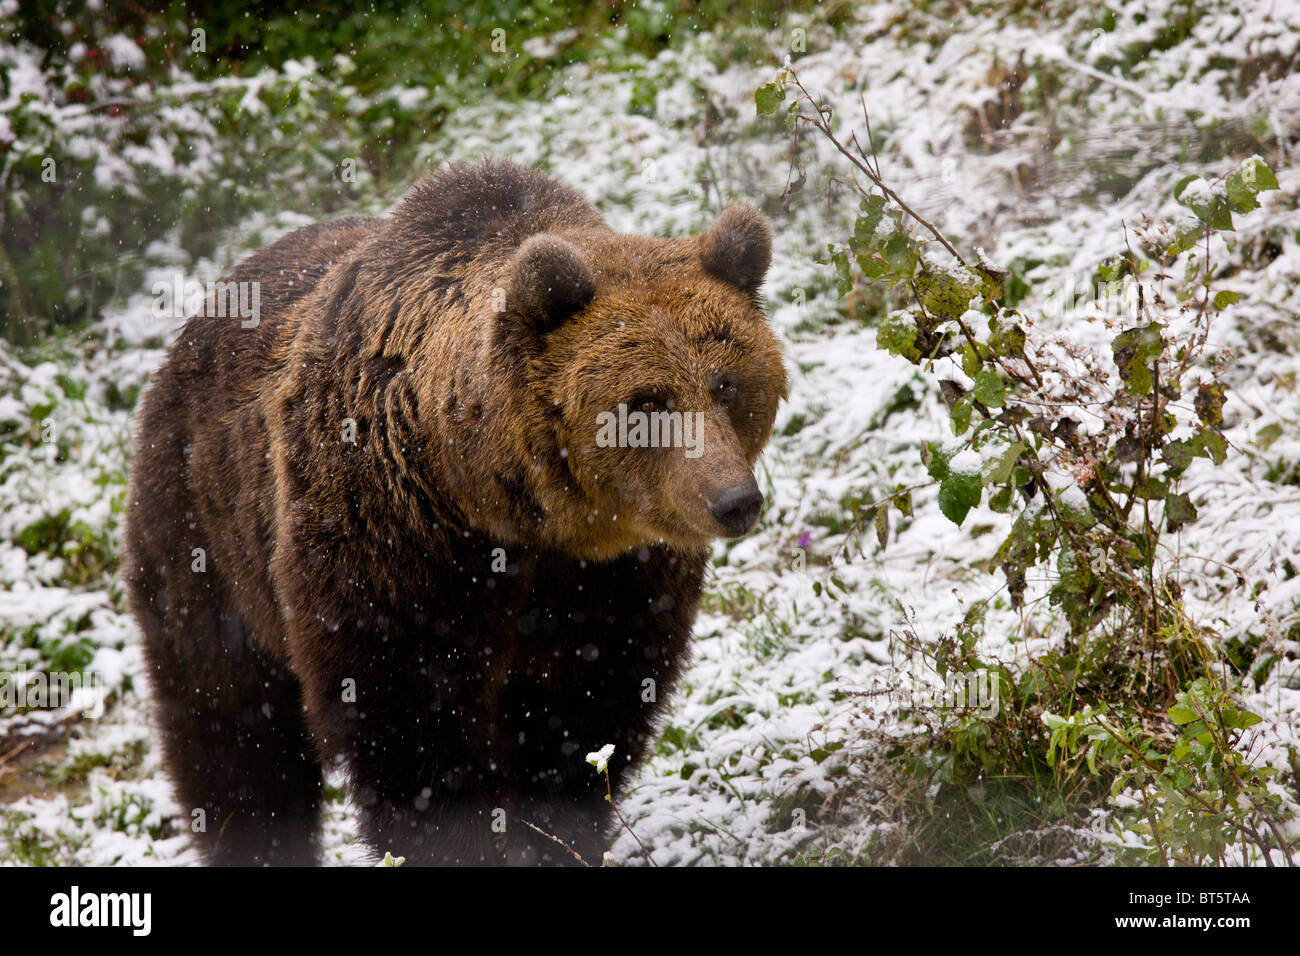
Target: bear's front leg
447, 768
416, 751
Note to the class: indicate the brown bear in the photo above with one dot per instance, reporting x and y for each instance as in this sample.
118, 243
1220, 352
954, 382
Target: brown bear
409, 518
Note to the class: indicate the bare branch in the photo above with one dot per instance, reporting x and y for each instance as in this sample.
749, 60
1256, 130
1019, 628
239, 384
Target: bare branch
822, 124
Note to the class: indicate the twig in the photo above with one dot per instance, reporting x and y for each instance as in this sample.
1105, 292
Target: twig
609, 795
863, 509
556, 839
822, 124
1114, 81
5, 758
22, 745
871, 140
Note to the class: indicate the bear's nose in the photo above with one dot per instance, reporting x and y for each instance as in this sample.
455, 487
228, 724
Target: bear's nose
736, 509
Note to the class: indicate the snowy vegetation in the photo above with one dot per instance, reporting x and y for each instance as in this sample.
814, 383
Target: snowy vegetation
1146, 666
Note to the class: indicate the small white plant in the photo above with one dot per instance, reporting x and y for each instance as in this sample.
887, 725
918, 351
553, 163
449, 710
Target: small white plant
600, 758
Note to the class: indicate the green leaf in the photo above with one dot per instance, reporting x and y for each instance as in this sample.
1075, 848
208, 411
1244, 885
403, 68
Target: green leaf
1009, 341
767, 98
993, 281
1205, 202
1181, 715
897, 334
1135, 350
958, 494
1182, 184
1221, 216
989, 388
1267, 435
882, 526
1179, 511
872, 266
1241, 197
946, 292
960, 416
1188, 234
1151, 488
864, 229
843, 275
935, 460
1076, 575
902, 255
1178, 455
1074, 511
1001, 500
1225, 298
1150, 344
1255, 172
1212, 445
999, 470
902, 500
791, 121
1209, 403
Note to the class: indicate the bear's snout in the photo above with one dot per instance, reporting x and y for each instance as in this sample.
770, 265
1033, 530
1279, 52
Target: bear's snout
736, 509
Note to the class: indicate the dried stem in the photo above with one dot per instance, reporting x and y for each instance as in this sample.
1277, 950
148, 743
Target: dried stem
822, 123
556, 839
609, 795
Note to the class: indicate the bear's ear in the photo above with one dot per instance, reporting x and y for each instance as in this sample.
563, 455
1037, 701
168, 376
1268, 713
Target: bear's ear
738, 249
549, 281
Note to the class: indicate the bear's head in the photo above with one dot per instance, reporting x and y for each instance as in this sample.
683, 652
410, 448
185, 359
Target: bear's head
651, 367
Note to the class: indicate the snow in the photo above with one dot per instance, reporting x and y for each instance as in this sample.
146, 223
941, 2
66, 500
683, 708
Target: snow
124, 53
600, 758
966, 463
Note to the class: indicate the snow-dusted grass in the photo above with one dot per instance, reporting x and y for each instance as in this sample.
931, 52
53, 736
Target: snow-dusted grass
768, 754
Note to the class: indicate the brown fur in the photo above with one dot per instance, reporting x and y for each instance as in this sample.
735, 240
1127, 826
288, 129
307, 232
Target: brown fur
473, 338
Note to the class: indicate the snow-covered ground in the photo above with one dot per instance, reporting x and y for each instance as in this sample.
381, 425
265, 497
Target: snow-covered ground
765, 741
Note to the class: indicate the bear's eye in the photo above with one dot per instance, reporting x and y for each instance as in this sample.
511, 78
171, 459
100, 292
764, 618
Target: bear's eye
727, 390
649, 404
